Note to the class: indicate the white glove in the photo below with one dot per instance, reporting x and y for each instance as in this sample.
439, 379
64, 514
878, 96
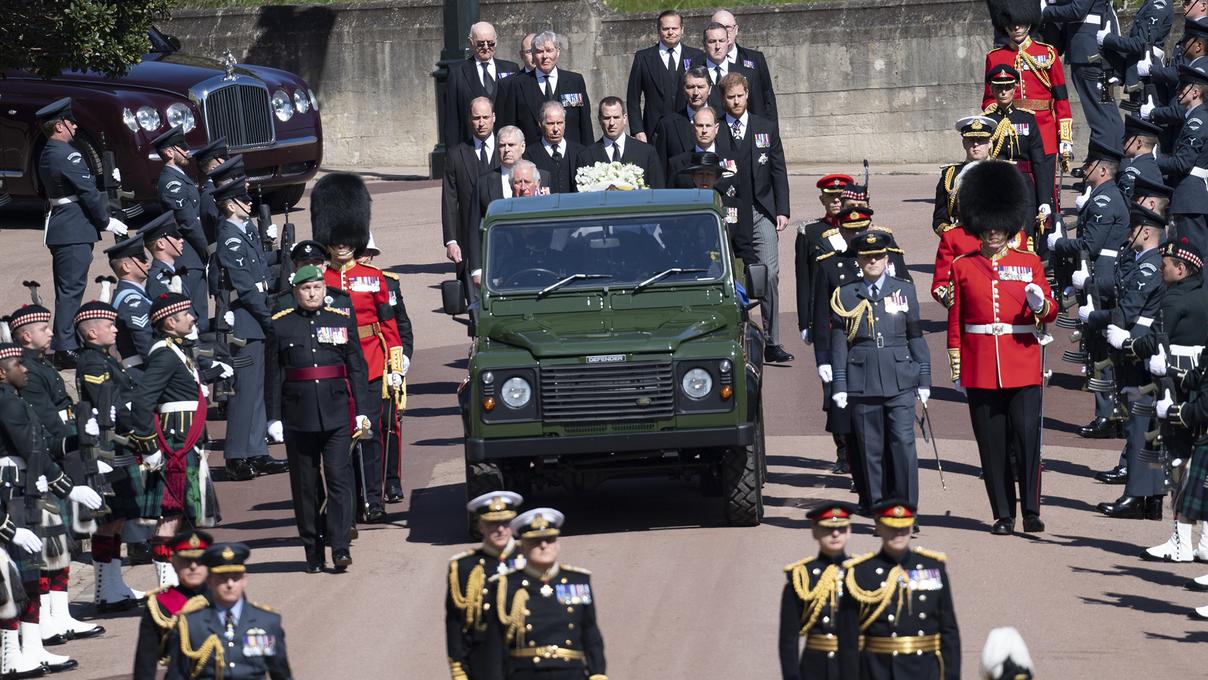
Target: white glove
924, 394
957, 384
192, 335
1116, 336
117, 174
840, 399
27, 540
1148, 107
1157, 363
91, 428
363, 423
205, 391
1080, 277
153, 461
113, 414
116, 226
271, 231
103, 467
1101, 34
227, 371
229, 318
1144, 65
406, 364
824, 372
1066, 149
805, 335
1045, 209
1084, 312
1035, 295
1081, 200
41, 485
85, 496
396, 379
1164, 404
1052, 239
276, 432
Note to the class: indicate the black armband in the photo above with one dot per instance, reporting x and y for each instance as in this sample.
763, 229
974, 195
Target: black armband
1060, 92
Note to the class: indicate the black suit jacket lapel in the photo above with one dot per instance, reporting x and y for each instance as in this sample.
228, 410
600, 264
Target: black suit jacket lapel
658, 69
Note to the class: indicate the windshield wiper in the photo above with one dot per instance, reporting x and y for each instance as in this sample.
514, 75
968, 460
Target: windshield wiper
573, 277
664, 274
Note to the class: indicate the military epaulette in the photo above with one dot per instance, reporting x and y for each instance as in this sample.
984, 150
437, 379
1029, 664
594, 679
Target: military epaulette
825, 255
96, 379
282, 313
988, 108
333, 310
392, 275
576, 570
460, 555
948, 227
895, 250
195, 604
898, 278
263, 607
830, 232
858, 559
938, 556
788, 568
878, 227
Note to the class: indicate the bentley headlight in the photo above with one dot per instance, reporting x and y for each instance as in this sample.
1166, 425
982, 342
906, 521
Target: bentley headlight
517, 392
697, 383
129, 119
314, 102
179, 114
282, 106
148, 118
301, 102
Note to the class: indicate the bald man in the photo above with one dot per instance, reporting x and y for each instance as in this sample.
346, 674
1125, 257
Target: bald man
479, 76
752, 59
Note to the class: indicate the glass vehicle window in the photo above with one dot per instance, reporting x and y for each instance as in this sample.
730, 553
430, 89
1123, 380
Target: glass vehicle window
631, 249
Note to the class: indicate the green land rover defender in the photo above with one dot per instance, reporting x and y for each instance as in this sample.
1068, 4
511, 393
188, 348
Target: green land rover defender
611, 340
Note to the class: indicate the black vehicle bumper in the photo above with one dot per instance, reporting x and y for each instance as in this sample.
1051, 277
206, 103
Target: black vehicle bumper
479, 450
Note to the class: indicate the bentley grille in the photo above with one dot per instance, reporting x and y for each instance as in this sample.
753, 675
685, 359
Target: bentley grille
241, 113
607, 392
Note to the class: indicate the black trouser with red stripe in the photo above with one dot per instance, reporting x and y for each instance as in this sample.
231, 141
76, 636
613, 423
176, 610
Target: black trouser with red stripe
1006, 421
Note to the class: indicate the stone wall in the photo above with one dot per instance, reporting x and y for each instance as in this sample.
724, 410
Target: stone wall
875, 79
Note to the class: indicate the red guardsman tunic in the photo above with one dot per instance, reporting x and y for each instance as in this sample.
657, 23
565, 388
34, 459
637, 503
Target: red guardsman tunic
1041, 88
954, 242
380, 342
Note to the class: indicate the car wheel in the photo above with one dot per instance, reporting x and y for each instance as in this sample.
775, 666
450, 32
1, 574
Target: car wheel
740, 486
480, 478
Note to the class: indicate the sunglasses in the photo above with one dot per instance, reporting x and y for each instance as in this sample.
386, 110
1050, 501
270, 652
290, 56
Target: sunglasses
484, 43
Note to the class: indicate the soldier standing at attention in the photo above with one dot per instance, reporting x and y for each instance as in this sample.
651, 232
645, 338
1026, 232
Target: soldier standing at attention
809, 607
1017, 137
898, 603
78, 213
881, 362
128, 262
465, 614
163, 604
178, 194
809, 245
322, 379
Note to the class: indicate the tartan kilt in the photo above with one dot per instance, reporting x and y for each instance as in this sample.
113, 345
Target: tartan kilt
129, 496
151, 501
1192, 501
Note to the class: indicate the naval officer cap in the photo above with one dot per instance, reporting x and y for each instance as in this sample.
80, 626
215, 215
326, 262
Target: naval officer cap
538, 523
495, 506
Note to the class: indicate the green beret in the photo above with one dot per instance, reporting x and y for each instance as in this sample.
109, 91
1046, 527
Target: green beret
306, 274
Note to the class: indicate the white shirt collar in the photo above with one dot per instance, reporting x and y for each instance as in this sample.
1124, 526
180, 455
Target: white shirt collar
745, 121
552, 76
619, 142
697, 149
724, 66
489, 143
550, 149
732, 55
663, 50
490, 67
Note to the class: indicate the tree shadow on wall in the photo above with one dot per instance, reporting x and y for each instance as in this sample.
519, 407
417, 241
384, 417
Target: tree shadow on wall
295, 39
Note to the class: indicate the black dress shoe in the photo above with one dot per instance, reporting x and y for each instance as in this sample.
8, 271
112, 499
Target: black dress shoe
123, 605
375, 515
1126, 507
840, 467
1116, 475
1032, 524
775, 354
65, 359
1003, 527
353, 534
1153, 507
57, 667
394, 494
240, 470
1100, 428
341, 558
267, 465
314, 567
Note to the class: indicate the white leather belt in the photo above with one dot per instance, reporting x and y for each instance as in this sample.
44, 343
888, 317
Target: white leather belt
1192, 351
999, 329
178, 407
1144, 321
12, 461
132, 361
64, 416
261, 287
1093, 19
1108, 253
64, 200
1202, 173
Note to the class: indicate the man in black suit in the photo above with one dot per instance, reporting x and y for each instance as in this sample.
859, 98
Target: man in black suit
718, 67
459, 197
674, 134
656, 74
554, 153
752, 59
549, 84
615, 145
481, 76
508, 86
705, 138
755, 144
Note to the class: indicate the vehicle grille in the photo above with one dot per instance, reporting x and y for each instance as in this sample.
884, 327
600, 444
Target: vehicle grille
241, 113
609, 392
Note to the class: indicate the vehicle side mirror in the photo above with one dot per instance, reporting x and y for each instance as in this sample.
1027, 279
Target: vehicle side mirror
173, 42
452, 297
757, 281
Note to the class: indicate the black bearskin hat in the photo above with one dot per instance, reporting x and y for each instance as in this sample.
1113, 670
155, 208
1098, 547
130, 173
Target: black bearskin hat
1006, 13
339, 211
993, 195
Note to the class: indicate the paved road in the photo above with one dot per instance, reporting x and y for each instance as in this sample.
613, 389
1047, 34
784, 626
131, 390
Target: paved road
680, 594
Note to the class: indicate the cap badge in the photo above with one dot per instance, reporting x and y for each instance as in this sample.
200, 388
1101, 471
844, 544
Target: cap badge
228, 554
194, 542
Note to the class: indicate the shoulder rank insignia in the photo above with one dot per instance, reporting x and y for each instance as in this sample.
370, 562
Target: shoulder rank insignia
282, 313
336, 310
96, 379
577, 570
788, 568
857, 560
933, 554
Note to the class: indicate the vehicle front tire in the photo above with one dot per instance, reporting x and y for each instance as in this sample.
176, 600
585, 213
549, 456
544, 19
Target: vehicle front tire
741, 486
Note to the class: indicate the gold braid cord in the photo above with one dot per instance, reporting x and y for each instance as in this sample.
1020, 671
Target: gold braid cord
515, 619
874, 602
1041, 72
470, 604
212, 647
852, 316
1004, 132
458, 672
950, 187
825, 592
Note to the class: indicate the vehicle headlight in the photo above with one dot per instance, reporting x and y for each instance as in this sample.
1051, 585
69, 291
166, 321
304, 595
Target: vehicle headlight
301, 102
129, 119
516, 392
314, 101
697, 383
148, 118
179, 114
282, 106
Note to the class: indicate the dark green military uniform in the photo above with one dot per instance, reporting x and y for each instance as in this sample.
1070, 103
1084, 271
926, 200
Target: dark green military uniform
107, 387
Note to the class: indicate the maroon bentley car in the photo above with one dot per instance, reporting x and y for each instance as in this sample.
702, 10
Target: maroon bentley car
268, 115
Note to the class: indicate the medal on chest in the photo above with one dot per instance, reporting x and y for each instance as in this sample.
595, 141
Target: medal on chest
573, 593
924, 579
1008, 272
364, 284
328, 335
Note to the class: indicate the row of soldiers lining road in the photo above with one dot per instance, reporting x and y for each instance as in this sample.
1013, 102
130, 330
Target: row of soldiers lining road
1129, 269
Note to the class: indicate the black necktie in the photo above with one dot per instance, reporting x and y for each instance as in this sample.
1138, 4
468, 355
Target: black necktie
872, 291
671, 61
549, 90
613, 153
488, 83
230, 625
483, 159
716, 75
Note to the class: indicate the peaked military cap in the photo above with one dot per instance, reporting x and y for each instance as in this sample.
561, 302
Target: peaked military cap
1002, 74
538, 523
895, 512
976, 127
226, 558
1197, 71
164, 225
235, 188
1136, 125
60, 108
832, 514
173, 137
1098, 151
871, 243
496, 506
1140, 216
128, 247
191, 543
215, 149
308, 250
834, 183
230, 168
857, 217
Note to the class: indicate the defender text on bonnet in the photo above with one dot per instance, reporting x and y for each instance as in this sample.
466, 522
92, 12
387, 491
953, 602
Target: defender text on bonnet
611, 342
